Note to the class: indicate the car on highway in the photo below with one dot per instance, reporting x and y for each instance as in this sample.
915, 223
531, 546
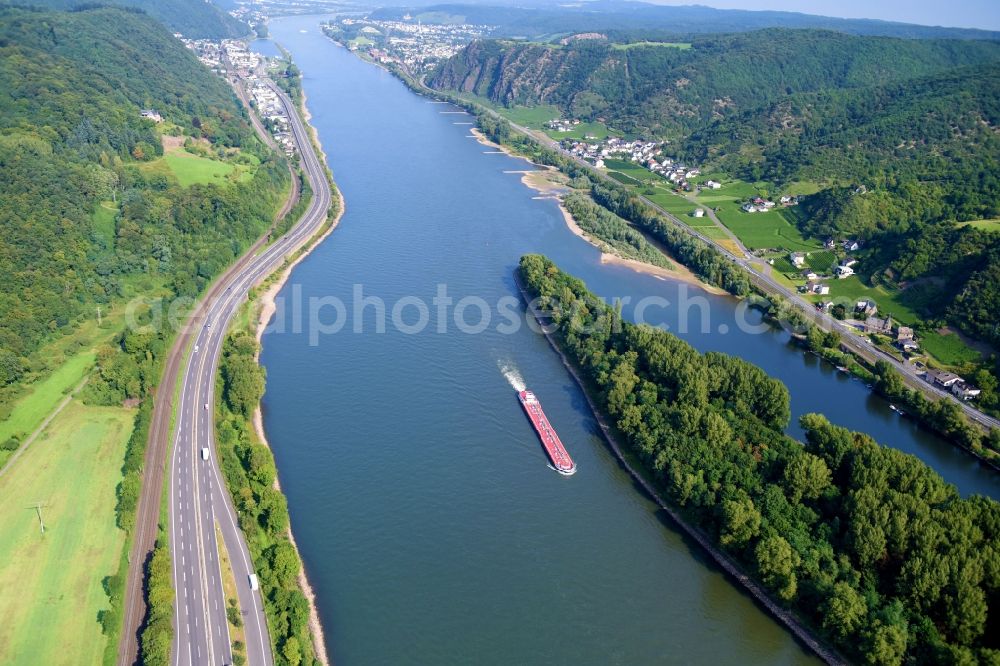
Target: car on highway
204, 453
254, 585
206, 406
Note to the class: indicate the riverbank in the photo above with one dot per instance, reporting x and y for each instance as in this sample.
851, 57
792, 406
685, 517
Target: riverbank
734, 570
549, 182
265, 308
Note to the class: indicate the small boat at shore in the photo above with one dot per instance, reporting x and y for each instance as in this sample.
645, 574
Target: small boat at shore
561, 462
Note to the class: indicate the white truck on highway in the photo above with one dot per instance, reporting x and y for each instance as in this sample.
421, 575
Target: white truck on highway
254, 585
204, 453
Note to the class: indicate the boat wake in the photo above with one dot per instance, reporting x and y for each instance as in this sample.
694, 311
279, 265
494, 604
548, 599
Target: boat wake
511, 373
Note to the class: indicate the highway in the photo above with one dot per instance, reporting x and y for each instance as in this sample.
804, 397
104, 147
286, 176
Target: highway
198, 498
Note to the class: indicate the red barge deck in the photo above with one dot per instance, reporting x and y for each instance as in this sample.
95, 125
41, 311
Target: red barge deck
561, 461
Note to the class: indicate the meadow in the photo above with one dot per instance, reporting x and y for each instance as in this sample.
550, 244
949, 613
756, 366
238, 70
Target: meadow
30, 410
53, 582
683, 46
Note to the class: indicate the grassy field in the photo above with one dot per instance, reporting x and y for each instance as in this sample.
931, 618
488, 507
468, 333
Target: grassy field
361, 40
822, 262
53, 583
983, 225
191, 169
103, 218
598, 130
763, 230
683, 46
889, 302
675, 204
773, 229
31, 409
533, 117
634, 171
948, 348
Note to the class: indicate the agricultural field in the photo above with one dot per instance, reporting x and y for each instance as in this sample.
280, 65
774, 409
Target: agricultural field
532, 117
634, 171
679, 206
763, 230
948, 348
599, 131
774, 229
821, 262
54, 581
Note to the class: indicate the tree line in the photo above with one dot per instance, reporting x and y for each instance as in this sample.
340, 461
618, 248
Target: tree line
868, 544
250, 473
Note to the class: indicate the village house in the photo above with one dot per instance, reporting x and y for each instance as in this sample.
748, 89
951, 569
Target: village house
758, 205
905, 339
818, 288
699, 212
150, 114
810, 275
942, 379
844, 271
713, 185
798, 259
878, 326
852, 245
866, 308
965, 391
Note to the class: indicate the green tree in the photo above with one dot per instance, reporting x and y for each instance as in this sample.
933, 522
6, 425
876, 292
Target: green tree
845, 610
776, 563
740, 522
806, 477
291, 651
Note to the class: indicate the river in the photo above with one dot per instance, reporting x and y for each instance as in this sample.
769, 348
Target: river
430, 525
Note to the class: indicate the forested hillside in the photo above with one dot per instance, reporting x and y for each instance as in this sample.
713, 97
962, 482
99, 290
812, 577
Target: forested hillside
870, 545
91, 212
657, 21
672, 91
903, 137
196, 19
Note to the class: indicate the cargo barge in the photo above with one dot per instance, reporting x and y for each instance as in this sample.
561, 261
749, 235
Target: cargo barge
561, 461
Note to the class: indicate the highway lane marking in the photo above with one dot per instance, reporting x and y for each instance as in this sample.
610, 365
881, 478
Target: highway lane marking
263, 263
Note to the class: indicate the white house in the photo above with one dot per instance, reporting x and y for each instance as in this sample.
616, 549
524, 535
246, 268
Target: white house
713, 185
699, 212
818, 288
965, 391
943, 379
844, 272
798, 259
